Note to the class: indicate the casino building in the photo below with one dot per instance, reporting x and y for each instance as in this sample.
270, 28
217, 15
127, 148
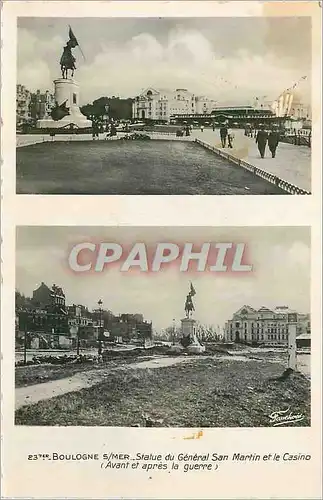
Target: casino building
264, 325
235, 116
160, 105
182, 107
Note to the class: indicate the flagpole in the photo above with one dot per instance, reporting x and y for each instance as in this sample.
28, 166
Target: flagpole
81, 52
77, 42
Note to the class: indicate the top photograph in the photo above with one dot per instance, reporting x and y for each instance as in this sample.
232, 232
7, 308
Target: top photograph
164, 106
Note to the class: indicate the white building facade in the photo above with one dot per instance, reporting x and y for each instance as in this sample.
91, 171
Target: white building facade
290, 104
263, 325
160, 105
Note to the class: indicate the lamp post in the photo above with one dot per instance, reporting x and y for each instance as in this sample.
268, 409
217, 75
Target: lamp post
100, 332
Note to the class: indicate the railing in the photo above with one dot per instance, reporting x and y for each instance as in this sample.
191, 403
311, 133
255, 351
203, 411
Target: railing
298, 139
273, 179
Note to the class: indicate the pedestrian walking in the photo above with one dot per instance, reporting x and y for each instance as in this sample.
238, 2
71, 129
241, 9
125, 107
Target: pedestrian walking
261, 140
202, 128
273, 140
223, 135
95, 131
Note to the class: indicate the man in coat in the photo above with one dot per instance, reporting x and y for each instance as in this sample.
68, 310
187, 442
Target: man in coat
273, 140
261, 140
223, 134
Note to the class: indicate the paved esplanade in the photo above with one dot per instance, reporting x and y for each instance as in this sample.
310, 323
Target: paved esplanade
292, 163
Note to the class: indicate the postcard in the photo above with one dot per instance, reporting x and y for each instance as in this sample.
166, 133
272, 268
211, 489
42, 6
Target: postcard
160, 313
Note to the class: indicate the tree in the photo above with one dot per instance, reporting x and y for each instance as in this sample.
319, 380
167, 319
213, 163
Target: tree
88, 111
22, 302
114, 107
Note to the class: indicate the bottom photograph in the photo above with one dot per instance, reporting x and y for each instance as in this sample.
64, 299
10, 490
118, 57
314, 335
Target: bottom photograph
163, 326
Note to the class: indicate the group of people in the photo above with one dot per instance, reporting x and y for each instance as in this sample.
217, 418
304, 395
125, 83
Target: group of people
265, 137
99, 128
227, 136
184, 131
250, 131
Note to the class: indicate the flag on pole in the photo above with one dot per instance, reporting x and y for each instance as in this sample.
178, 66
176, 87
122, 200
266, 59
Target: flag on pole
192, 291
73, 38
74, 41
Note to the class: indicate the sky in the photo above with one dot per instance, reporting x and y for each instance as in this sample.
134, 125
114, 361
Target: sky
280, 257
232, 60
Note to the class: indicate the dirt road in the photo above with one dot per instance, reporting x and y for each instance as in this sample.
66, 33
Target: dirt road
34, 393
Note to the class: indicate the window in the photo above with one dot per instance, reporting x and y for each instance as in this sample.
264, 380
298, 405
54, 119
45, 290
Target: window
74, 99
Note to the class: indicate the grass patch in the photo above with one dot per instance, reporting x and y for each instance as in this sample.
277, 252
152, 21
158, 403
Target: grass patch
38, 374
204, 393
131, 167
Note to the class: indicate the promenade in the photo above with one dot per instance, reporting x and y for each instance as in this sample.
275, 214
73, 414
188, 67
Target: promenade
292, 163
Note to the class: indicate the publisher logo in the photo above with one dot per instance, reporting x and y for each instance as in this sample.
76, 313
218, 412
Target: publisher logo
284, 417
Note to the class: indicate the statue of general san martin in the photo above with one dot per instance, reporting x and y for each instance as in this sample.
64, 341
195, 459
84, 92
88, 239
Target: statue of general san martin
189, 306
66, 112
67, 60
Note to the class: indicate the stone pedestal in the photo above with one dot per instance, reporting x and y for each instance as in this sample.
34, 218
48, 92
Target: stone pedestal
67, 90
189, 341
189, 330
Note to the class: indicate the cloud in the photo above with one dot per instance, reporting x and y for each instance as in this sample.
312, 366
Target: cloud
184, 58
34, 70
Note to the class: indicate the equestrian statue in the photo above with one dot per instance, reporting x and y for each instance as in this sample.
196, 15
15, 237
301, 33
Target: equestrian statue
67, 61
189, 306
